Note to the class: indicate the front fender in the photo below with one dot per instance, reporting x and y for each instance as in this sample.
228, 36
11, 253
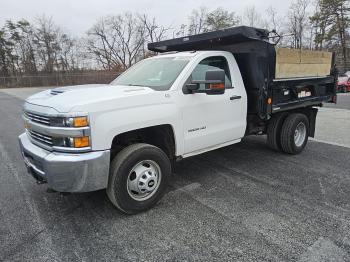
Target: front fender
108, 124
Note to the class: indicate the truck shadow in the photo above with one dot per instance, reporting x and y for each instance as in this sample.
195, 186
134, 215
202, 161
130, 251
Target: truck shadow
186, 173
251, 159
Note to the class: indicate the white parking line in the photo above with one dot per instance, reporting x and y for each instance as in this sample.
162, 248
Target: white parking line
323, 250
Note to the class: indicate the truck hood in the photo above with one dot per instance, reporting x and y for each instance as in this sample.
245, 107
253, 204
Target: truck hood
65, 99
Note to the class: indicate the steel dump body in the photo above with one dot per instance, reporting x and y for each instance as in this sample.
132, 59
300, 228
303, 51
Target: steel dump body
258, 63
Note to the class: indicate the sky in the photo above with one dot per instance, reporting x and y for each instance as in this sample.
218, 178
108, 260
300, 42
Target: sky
77, 16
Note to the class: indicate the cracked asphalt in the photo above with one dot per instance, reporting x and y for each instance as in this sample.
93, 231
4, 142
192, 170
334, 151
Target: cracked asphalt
240, 203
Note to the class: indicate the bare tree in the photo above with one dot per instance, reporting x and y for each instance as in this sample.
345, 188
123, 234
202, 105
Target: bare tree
197, 21
155, 32
252, 17
118, 41
102, 44
46, 41
298, 21
65, 60
274, 21
131, 35
181, 31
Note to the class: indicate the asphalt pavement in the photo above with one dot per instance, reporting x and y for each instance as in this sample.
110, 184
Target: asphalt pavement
240, 203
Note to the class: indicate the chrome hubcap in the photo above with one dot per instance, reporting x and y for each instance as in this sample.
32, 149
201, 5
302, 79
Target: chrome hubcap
143, 180
300, 134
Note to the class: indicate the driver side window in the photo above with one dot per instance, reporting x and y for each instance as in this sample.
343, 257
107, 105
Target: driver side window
212, 63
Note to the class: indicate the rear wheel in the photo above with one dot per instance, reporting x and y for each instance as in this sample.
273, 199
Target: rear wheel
294, 133
138, 178
274, 131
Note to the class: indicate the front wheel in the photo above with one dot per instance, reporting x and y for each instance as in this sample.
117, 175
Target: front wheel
295, 133
138, 178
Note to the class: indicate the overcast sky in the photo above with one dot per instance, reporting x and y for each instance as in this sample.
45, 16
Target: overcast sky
77, 16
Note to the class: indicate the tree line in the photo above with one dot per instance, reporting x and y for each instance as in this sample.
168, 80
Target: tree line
116, 42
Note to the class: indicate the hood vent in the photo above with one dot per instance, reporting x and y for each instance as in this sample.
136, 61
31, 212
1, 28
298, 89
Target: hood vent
55, 92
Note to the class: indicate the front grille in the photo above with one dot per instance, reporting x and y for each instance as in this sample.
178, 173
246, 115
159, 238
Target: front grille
41, 138
40, 119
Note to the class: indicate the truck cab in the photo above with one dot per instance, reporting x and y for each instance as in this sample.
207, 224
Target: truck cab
125, 136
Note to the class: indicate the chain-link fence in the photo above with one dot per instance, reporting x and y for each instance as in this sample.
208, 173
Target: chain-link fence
58, 79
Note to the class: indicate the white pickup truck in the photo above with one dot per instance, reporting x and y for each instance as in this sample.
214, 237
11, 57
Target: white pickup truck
124, 136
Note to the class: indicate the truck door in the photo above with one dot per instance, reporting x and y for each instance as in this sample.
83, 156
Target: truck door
213, 120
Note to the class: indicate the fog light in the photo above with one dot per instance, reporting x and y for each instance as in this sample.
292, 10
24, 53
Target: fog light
80, 142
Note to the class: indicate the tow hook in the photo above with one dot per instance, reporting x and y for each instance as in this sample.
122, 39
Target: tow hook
39, 180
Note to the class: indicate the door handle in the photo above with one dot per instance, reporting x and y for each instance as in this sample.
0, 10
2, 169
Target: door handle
235, 97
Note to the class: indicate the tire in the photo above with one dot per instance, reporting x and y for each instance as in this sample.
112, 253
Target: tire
344, 90
274, 132
137, 165
291, 143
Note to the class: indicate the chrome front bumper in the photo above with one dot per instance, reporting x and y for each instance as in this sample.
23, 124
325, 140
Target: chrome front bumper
66, 172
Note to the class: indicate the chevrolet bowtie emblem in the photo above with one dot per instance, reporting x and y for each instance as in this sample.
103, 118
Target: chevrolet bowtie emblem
27, 125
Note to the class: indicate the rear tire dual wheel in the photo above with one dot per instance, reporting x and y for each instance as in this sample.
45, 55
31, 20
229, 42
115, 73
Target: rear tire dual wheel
295, 133
274, 132
138, 178
288, 133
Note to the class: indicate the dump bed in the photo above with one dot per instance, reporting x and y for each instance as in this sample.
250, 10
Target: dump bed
291, 78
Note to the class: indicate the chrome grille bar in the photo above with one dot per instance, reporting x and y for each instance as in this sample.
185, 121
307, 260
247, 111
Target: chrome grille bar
38, 118
40, 137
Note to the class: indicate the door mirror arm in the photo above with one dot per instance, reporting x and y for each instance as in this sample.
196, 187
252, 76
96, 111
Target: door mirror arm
192, 88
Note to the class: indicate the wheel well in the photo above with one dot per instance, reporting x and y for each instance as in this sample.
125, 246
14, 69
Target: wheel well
161, 136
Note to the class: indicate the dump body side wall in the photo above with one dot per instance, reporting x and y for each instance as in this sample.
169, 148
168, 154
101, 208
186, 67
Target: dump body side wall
289, 94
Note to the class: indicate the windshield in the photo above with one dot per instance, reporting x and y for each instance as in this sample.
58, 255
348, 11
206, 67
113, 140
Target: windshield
158, 73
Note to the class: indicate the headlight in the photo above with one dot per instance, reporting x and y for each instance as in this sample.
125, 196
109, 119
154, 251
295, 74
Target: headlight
81, 121
77, 121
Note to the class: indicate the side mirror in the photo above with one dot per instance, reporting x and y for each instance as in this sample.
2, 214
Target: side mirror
215, 82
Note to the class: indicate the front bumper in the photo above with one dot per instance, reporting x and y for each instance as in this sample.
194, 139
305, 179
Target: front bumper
66, 172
